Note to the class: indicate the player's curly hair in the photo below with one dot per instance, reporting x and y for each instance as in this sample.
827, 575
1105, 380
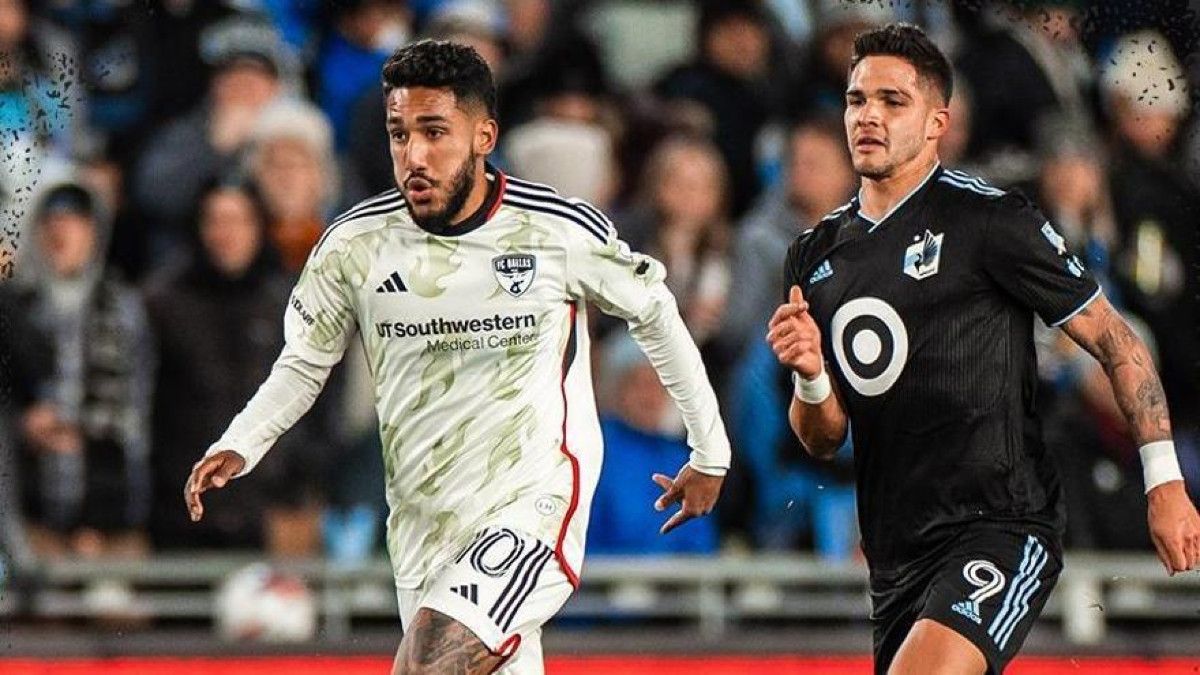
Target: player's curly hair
439, 64
911, 44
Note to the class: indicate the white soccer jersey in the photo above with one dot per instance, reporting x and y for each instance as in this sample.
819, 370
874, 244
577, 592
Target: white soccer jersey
476, 337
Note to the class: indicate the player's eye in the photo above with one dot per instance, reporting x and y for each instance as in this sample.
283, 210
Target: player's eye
435, 133
399, 136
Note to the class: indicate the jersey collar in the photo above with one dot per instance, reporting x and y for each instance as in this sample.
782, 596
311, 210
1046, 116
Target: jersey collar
491, 203
876, 223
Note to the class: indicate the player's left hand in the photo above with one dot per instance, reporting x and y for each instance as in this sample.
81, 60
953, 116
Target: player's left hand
1174, 527
696, 492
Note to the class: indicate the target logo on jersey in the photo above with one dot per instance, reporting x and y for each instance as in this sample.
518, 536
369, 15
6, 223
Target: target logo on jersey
870, 343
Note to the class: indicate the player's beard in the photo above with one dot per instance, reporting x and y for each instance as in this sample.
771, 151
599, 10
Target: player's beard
460, 189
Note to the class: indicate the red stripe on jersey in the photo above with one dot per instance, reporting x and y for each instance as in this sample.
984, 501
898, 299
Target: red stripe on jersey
506, 650
562, 532
501, 183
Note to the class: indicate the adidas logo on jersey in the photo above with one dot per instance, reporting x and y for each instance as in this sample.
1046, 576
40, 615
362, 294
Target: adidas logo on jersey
824, 271
968, 609
393, 284
468, 591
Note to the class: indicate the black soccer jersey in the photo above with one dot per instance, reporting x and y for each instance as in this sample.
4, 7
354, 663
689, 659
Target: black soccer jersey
927, 326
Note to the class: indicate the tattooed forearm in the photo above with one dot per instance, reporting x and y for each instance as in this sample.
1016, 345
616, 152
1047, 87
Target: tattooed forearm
435, 643
1105, 335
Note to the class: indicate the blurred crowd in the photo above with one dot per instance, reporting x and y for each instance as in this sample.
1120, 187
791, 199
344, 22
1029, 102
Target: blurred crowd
168, 164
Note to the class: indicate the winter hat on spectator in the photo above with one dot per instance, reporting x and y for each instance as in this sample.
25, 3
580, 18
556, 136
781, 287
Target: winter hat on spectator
299, 121
473, 17
573, 157
833, 14
1142, 70
66, 198
302, 122
242, 39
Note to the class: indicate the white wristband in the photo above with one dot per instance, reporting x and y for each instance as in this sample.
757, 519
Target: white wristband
812, 391
1159, 464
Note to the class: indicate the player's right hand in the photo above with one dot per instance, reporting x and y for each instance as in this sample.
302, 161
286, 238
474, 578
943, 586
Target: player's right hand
794, 336
214, 471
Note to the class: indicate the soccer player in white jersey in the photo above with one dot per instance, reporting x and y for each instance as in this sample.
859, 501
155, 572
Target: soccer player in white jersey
468, 288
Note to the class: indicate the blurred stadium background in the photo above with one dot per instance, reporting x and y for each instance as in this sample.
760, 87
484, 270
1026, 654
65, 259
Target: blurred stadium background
168, 164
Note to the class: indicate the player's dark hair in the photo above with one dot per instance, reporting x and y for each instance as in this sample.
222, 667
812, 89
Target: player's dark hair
439, 64
911, 44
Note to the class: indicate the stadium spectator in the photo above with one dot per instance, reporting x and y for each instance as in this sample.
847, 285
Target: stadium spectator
682, 219
204, 142
479, 24
364, 33
223, 309
86, 438
796, 502
548, 151
1039, 57
639, 427
822, 86
1146, 96
290, 157
114, 67
27, 368
549, 54
36, 60
728, 79
36, 116
818, 178
1073, 191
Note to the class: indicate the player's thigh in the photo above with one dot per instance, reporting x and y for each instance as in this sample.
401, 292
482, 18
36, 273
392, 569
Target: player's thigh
894, 610
434, 643
992, 589
502, 587
933, 649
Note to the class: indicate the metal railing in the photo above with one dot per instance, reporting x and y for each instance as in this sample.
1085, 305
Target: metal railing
712, 593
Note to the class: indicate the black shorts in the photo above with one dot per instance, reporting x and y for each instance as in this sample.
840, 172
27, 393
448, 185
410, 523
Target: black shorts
989, 587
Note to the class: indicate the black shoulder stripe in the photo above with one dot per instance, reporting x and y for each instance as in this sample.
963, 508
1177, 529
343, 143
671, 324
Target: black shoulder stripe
383, 198
376, 207
531, 185
604, 220
553, 198
550, 210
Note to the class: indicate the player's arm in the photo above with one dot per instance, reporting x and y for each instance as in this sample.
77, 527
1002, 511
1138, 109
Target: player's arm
1174, 523
318, 323
816, 413
1030, 260
631, 286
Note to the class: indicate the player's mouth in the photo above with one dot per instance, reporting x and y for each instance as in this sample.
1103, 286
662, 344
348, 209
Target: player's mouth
420, 190
866, 144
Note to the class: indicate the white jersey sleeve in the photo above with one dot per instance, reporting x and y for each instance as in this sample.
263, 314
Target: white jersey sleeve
631, 286
281, 400
320, 317
318, 324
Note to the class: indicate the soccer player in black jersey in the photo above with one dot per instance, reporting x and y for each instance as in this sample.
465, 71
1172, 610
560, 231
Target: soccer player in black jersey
909, 319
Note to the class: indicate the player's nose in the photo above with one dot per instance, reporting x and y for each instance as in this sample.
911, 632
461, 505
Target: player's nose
416, 159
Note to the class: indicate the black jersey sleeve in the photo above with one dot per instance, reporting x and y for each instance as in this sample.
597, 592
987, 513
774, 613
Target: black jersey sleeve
1029, 259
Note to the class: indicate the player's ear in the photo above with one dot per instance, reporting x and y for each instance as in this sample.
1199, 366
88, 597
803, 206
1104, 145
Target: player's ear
487, 131
938, 122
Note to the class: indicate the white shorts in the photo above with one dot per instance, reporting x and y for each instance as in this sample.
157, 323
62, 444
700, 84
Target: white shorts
502, 587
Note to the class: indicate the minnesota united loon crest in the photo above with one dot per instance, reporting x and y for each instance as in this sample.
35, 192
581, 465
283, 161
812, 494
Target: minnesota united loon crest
922, 258
515, 272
